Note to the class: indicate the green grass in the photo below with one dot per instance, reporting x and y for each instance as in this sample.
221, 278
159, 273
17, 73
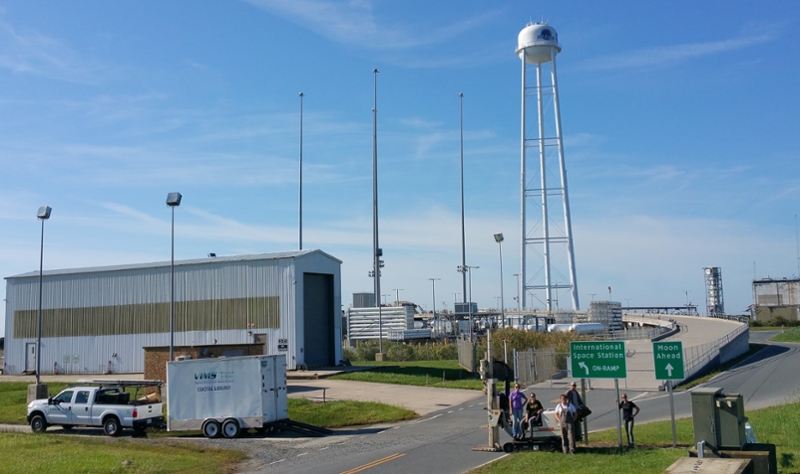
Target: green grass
53, 454
754, 348
13, 400
333, 414
777, 425
435, 373
788, 336
342, 413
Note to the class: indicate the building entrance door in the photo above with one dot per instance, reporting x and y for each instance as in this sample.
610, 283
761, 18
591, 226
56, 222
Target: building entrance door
30, 357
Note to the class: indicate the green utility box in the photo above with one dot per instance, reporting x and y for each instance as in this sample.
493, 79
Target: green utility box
718, 419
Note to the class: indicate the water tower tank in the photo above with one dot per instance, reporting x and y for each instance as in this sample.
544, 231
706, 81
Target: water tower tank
538, 40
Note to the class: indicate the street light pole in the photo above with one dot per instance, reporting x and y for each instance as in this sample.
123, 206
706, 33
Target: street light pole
470, 300
173, 201
519, 302
376, 250
397, 295
433, 289
300, 217
43, 214
463, 267
498, 237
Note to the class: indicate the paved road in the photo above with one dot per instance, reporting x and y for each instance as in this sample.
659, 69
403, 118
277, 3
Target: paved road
694, 331
442, 442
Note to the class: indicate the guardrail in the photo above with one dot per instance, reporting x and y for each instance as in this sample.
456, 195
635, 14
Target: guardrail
695, 358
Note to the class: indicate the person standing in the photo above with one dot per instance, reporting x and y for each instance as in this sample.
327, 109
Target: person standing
575, 399
629, 411
565, 415
533, 412
517, 401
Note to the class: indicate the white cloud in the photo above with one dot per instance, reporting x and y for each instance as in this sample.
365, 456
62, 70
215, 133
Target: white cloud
30, 52
355, 23
662, 56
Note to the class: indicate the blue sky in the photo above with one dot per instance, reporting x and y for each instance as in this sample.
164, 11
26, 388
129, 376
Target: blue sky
679, 123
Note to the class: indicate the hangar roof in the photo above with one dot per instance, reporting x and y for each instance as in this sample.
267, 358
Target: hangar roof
194, 261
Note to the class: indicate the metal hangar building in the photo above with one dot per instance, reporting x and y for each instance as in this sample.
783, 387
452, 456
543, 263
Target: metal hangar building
97, 320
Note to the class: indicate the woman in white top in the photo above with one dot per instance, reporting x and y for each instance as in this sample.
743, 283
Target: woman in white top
565, 415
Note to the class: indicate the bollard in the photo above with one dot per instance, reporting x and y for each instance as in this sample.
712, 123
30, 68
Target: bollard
323, 395
443, 378
426, 380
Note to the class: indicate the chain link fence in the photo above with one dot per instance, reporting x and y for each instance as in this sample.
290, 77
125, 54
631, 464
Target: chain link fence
538, 365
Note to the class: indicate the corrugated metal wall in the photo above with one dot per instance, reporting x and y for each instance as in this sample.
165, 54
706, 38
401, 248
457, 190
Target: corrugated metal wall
94, 313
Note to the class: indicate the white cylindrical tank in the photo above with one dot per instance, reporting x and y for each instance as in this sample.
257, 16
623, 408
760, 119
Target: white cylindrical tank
559, 328
588, 328
539, 42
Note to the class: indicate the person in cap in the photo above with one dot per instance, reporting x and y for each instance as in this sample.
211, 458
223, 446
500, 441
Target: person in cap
575, 399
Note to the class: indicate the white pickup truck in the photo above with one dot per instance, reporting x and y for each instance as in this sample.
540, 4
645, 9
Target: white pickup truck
109, 406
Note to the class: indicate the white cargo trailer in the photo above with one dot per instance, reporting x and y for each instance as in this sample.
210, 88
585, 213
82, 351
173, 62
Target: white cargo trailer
226, 395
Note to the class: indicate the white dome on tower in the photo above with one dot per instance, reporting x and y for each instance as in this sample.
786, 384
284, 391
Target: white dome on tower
538, 41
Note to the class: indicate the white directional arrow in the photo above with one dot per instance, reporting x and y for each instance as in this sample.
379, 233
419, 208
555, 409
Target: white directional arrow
669, 368
585, 367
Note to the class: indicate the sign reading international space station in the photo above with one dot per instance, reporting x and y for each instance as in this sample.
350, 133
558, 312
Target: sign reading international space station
598, 359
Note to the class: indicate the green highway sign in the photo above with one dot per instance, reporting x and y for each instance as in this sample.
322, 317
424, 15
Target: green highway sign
598, 359
668, 359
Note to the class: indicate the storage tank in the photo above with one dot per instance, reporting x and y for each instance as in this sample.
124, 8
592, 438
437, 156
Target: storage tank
588, 328
559, 328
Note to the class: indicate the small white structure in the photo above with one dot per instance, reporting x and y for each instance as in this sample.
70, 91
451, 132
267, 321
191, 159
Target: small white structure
97, 320
226, 395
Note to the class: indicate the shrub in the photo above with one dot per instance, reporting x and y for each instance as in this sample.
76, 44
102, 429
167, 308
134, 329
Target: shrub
447, 352
349, 354
400, 353
366, 351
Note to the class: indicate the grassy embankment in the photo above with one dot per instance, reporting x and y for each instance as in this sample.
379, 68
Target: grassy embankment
654, 453
754, 348
792, 335
435, 373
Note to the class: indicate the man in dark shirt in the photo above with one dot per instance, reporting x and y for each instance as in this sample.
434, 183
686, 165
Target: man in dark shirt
629, 411
575, 398
533, 412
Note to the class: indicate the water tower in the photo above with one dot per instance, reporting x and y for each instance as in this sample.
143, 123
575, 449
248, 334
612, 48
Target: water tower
544, 200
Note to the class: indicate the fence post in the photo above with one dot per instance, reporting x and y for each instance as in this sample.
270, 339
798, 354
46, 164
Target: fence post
516, 372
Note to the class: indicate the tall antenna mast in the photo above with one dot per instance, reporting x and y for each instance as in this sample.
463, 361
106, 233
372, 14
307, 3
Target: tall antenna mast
797, 242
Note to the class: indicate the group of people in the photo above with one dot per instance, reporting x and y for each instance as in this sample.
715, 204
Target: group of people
569, 413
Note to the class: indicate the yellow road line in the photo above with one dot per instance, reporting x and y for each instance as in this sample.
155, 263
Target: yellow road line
374, 463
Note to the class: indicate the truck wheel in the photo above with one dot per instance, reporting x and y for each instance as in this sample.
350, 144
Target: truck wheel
231, 429
211, 429
111, 426
38, 424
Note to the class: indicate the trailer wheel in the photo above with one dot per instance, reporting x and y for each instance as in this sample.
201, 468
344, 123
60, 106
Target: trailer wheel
231, 429
508, 448
38, 424
211, 429
111, 426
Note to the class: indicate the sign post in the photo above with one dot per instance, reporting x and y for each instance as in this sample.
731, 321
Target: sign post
668, 363
600, 360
